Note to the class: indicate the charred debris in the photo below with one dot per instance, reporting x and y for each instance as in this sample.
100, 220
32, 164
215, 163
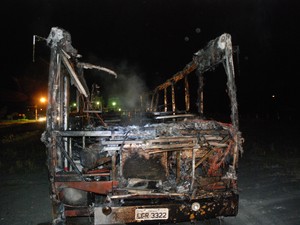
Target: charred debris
157, 165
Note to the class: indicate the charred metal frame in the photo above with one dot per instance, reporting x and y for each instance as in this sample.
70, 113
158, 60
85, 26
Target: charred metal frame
179, 166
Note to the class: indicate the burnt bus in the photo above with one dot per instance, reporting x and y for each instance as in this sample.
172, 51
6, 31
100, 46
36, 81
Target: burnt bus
155, 164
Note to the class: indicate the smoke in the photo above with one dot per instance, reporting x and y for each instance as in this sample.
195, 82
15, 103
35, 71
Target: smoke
128, 87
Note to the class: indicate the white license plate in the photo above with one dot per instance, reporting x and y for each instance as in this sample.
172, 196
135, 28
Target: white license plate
152, 214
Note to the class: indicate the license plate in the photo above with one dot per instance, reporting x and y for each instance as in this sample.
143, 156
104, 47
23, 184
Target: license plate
152, 214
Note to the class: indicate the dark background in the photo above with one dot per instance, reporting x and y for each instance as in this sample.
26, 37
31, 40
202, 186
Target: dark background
153, 40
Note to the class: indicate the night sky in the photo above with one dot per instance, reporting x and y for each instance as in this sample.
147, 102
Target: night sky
155, 39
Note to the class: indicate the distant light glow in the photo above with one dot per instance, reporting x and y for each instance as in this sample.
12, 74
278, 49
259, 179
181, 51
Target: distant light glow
43, 100
42, 119
114, 103
273, 96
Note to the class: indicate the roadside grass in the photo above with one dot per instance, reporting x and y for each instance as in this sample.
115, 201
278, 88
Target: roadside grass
272, 145
22, 152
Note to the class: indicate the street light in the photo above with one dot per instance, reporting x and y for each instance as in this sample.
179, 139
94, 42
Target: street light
42, 100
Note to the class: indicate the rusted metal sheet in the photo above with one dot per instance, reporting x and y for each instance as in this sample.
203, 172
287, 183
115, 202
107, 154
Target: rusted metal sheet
99, 187
78, 212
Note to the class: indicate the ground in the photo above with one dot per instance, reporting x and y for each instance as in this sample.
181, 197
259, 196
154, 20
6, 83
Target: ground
269, 176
